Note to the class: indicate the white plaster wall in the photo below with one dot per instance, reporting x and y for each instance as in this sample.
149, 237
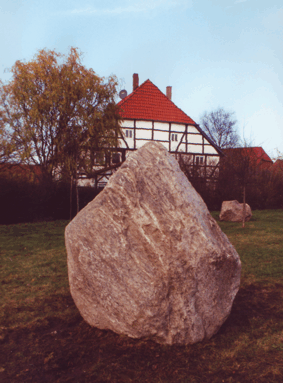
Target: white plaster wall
192, 129
178, 128
144, 124
208, 149
195, 149
174, 144
165, 144
164, 136
141, 133
179, 136
122, 144
161, 126
195, 138
130, 142
127, 124
140, 143
182, 147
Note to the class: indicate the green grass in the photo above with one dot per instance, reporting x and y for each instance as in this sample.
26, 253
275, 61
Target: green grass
259, 244
33, 267
44, 339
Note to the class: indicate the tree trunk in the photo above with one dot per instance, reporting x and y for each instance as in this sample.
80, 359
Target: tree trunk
71, 197
244, 207
77, 194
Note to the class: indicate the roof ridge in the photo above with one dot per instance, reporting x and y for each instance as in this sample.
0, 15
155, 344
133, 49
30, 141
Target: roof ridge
132, 93
153, 105
168, 99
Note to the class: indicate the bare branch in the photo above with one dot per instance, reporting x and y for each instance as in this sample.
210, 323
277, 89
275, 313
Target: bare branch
220, 126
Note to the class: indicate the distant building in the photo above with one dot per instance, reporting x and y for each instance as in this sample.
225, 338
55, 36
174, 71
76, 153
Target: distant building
257, 156
278, 166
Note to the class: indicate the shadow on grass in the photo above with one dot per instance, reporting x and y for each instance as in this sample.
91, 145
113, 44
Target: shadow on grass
64, 348
255, 301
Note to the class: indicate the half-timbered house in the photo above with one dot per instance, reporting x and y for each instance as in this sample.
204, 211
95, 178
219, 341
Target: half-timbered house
150, 115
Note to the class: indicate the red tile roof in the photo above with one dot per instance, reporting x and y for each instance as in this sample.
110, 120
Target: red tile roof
278, 165
261, 155
256, 153
147, 102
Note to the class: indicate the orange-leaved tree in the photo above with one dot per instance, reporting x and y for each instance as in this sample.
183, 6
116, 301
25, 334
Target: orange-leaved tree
54, 113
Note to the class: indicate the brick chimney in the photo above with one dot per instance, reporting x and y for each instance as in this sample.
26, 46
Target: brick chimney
169, 92
135, 81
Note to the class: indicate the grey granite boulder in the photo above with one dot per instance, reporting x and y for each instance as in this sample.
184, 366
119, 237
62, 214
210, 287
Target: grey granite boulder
233, 211
146, 259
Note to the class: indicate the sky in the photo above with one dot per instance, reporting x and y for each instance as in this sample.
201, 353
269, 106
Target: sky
214, 53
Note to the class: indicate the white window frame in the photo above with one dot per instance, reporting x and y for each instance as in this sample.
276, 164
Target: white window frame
174, 137
129, 133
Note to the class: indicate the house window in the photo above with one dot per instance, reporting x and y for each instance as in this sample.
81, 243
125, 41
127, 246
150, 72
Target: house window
174, 137
129, 133
199, 160
116, 158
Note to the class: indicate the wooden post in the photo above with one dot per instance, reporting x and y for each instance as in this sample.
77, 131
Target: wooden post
77, 195
71, 197
77, 191
169, 132
244, 206
186, 138
123, 155
135, 145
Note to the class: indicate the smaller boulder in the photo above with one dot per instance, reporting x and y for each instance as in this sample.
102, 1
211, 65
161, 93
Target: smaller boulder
233, 211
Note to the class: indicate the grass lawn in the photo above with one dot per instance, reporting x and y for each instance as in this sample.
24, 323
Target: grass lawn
44, 339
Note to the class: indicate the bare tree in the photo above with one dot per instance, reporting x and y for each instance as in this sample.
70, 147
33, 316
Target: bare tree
221, 127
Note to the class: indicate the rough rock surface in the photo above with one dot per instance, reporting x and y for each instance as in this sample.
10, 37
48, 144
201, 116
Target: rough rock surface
233, 211
146, 259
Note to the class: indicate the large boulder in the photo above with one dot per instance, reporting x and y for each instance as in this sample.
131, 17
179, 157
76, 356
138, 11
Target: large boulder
145, 257
233, 211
